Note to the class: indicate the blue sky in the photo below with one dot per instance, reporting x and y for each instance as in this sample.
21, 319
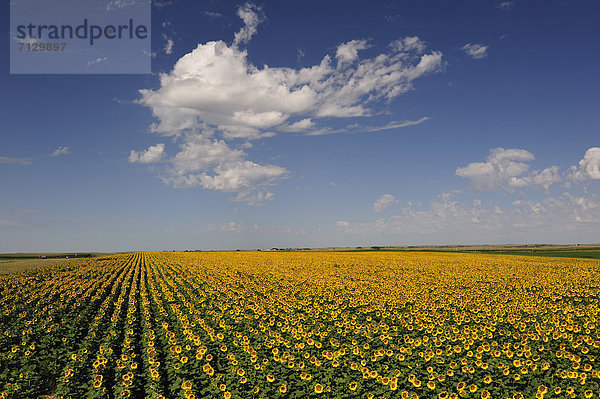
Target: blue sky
312, 124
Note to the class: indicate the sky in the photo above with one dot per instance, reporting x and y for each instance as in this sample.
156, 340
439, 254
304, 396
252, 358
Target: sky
314, 124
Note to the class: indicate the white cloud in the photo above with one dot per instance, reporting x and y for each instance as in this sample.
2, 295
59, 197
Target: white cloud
97, 61
476, 51
299, 126
19, 161
213, 165
213, 14
348, 52
28, 40
153, 154
408, 44
252, 17
216, 85
563, 213
231, 226
386, 201
242, 176
505, 169
505, 5
161, 4
589, 166
62, 150
396, 125
168, 45
214, 101
254, 198
545, 178
118, 4
500, 166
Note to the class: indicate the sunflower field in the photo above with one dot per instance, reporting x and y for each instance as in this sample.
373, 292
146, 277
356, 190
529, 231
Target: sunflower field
302, 325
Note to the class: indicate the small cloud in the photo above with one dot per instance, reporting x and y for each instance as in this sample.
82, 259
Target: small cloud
97, 61
168, 45
475, 51
28, 40
152, 154
386, 201
325, 130
252, 16
299, 126
395, 125
62, 150
505, 5
153, 55
161, 4
300, 55
119, 4
332, 184
213, 14
231, 227
18, 161
254, 198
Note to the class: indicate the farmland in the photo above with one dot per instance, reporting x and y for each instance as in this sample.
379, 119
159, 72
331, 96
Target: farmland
299, 325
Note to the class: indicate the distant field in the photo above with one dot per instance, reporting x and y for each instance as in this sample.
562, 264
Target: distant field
38, 255
16, 265
585, 253
15, 262
579, 252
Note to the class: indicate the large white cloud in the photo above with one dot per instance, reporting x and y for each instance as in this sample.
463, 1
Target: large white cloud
215, 96
216, 85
